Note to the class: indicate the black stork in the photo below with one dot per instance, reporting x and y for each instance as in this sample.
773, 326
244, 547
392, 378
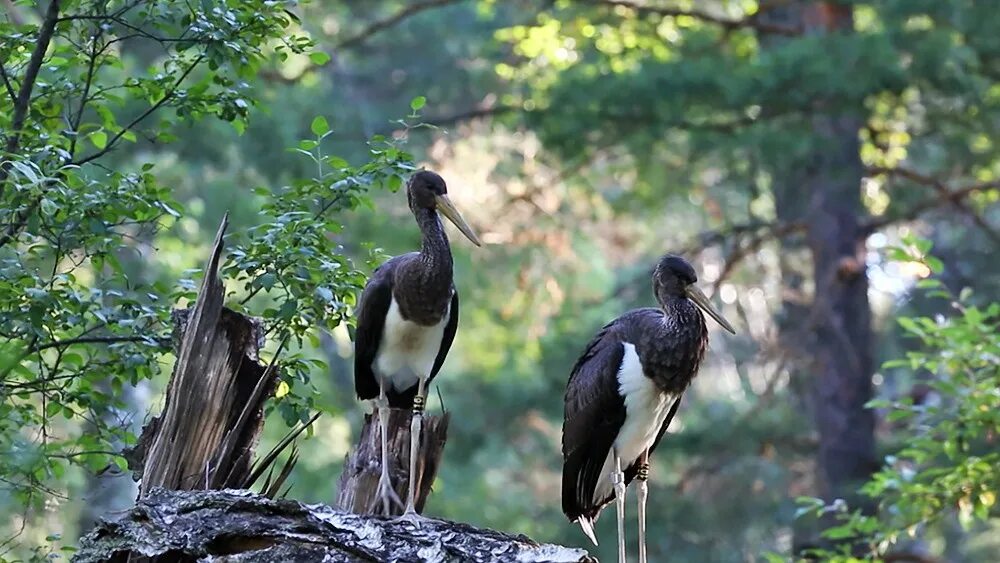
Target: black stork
623, 392
407, 318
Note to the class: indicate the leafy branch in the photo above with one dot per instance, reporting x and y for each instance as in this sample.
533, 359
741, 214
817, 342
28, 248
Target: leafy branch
23, 101
168, 96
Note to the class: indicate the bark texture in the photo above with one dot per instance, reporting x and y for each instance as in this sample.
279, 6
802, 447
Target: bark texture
209, 427
358, 484
239, 526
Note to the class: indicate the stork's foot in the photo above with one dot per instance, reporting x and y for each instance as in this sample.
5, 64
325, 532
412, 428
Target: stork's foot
388, 495
411, 517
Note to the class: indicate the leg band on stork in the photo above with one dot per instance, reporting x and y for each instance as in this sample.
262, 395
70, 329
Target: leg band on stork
419, 403
642, 476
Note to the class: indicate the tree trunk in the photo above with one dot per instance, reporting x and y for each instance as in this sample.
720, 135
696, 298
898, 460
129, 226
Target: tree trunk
841, 315
822, 187
239, 526
359, 481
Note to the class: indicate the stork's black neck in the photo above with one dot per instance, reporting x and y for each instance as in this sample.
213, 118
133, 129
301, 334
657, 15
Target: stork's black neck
424, 284
435, 251
672, 350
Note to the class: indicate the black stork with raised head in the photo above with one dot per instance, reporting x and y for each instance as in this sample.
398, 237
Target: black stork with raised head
407, 319
623, 392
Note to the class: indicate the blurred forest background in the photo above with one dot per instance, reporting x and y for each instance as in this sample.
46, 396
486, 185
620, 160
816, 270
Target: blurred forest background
829, 168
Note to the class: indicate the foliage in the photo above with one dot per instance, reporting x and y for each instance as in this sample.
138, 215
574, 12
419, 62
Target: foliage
80, 320
292, 266
76, 329
949, 465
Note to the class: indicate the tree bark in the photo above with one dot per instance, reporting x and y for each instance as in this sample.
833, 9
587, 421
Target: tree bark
359, 482
239, 526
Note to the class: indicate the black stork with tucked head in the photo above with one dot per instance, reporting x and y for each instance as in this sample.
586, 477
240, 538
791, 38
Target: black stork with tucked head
623, 392
407, 318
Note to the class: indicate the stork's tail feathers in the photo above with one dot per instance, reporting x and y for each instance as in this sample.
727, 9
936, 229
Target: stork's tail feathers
587, 525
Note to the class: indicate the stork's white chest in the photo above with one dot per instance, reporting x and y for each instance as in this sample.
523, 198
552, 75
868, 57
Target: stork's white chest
646, 408
407, 350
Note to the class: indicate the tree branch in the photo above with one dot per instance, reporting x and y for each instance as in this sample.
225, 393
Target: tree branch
390, 21
926, 205
30, 75
166, 98
726, 23
7, 84
945, 196
475, 113
84, 99
23, 100
756, 233
96, 340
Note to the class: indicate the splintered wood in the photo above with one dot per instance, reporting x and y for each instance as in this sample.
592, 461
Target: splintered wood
206, 434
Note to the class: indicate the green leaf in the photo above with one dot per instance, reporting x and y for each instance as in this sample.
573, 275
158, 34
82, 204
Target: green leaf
934, 264
417, 103
52, 409
99, 138
319, 58
320, 126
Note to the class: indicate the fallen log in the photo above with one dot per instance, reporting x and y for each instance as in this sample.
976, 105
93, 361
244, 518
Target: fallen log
238, 526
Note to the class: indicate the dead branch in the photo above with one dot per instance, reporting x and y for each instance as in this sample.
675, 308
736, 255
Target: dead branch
945, 196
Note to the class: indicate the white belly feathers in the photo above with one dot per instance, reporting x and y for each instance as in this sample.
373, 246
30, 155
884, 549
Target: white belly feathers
646, 409
407, 350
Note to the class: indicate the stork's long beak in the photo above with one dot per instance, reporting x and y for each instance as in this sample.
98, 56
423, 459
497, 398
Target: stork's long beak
702, 301
447, 208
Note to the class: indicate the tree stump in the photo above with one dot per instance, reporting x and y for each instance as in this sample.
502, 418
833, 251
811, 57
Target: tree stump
358, 485
207, 432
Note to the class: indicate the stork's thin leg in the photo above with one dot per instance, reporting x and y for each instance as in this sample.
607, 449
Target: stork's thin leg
410, 513
385, 490
642, 476
618, 480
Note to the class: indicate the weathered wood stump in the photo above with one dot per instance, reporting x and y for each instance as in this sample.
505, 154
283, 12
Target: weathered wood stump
240, 526
358, 486
206, 435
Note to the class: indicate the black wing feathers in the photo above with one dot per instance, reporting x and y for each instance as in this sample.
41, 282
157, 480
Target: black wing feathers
449, 336
372, 310
595, 412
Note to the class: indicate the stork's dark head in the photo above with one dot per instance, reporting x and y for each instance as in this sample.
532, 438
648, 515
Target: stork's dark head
674, 278
427, 190
424, 188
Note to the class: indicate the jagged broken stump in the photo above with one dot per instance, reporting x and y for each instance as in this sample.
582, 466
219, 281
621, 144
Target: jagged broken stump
240, 526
